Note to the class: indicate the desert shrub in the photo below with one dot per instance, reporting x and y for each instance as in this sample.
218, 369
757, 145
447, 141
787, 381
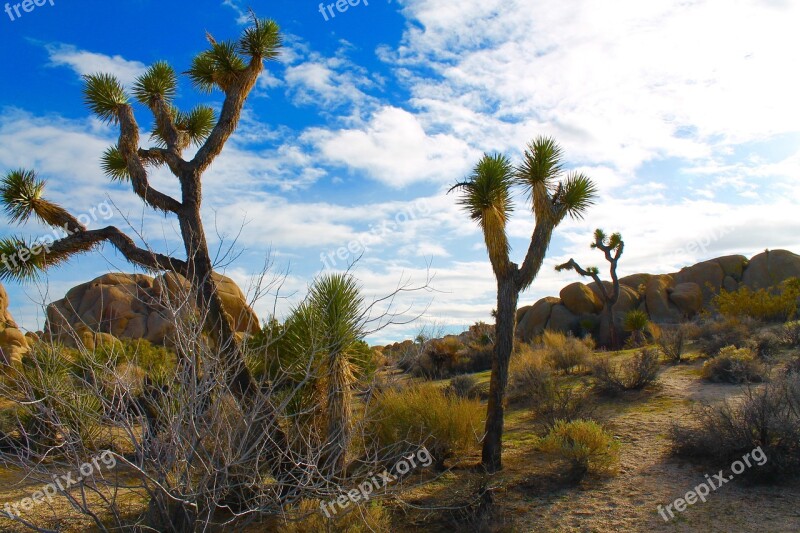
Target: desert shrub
672, 341
533, 382
717, 333
734, 365
476, 357
632, 374
565, 352
462, 386
793, 366
789, 334
422, 416
439, 358
774, 305
767, 417
764, 344
307, 517
584, 444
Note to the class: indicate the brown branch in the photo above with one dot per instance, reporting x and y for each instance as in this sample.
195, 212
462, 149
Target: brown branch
85, 240
129, 148
235, 97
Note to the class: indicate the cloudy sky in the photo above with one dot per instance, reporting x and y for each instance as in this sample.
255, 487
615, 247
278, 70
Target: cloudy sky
684, 112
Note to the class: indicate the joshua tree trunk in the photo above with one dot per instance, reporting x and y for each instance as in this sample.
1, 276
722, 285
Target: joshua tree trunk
507, 297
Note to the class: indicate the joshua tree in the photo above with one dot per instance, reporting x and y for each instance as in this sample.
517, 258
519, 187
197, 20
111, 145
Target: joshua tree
487, 196
230, 66
612, 248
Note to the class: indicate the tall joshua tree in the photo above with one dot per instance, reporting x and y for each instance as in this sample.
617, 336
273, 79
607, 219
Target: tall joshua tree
612, 248
487, 196
233, 67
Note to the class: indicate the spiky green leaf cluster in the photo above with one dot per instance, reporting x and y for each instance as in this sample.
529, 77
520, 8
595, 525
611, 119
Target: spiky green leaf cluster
486, 196
158, 82
219, 66
337, 300
262, 40
20, 190
104, 95
577, 194
197, 123
20, 260
541, 164
114, 165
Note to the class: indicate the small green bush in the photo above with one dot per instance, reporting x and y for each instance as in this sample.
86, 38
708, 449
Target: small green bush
734, 365
776, 305
585, 444
633, 374
636, 323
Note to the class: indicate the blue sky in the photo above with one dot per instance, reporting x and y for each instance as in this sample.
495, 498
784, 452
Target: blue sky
684, 112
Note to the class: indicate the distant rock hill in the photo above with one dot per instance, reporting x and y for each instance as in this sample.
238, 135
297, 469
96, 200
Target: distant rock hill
666, 298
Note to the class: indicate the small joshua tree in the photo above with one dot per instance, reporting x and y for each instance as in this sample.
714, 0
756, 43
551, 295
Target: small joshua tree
612, 248
486, 196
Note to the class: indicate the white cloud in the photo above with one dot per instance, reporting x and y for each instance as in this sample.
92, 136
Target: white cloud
85, 62
395, 149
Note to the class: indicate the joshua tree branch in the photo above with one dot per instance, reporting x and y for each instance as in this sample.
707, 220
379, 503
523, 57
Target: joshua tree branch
129, 148
235, 97
85, 240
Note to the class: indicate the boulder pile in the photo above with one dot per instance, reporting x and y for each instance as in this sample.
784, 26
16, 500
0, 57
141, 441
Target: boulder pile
666, 298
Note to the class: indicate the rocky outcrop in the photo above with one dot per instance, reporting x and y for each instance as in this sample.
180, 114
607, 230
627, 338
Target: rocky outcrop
666, 298
771, 268
13, 343
136, 306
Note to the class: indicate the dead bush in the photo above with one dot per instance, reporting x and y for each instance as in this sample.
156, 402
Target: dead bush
768, 417
635, 373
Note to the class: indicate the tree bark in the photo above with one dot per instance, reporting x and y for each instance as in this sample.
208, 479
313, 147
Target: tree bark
507, 295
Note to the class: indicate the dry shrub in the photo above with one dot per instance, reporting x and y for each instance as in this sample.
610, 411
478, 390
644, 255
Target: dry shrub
462, 386
565, 352
717, 333
632, 374
422, 416
308, 517
672, 341
790, 334
768, 416
734, 365
584, 444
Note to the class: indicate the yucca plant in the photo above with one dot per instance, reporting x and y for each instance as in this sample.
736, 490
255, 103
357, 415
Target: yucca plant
612, 248
486, 195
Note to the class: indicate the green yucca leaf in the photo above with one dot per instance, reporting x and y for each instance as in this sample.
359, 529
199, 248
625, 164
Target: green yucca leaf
262, 40
114, 165
19, 260
20, 190
198, 123
578, 193
104, 95
158, 82
541, 164
218, 66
